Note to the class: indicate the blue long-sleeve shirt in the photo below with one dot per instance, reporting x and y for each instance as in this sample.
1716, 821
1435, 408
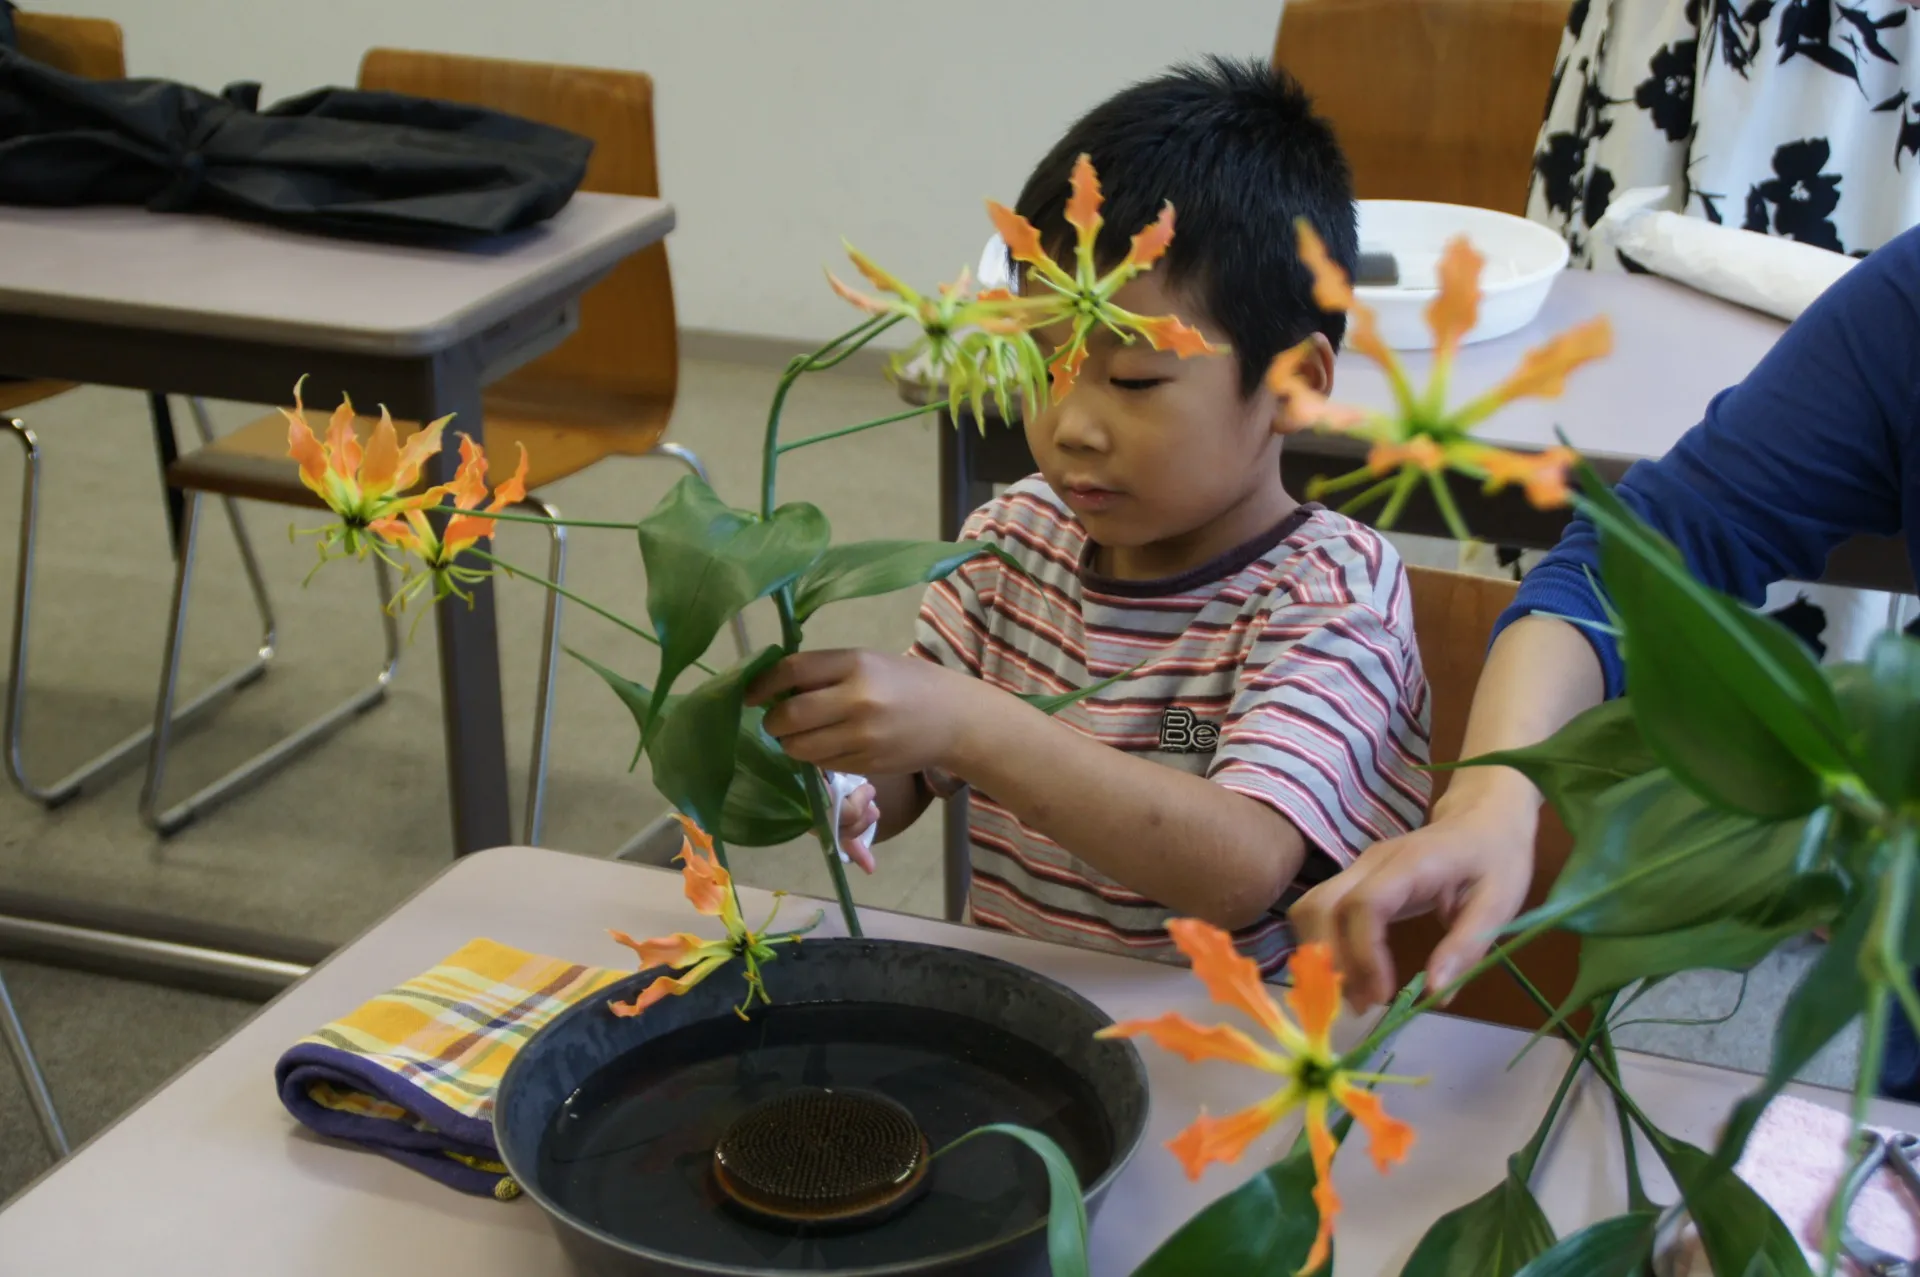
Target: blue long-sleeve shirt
1819, 443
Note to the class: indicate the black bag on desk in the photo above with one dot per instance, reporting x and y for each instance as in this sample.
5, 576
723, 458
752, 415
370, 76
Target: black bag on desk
336, 161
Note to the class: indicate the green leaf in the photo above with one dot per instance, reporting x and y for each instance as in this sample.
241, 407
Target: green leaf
1829, 996
694, 753
1881, 702
1054, 702
1581, 761
865, 568
705, 561
1737, 1227
1654, 856
1732, 943
1614, 1247
1066, 1206
1264, 1228
1494, 1235
767, 803
1729, 700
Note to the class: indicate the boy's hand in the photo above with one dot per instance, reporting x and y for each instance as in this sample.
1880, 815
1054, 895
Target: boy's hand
1473, 862
866, 712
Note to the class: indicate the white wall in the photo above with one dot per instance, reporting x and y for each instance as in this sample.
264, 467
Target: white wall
784, 124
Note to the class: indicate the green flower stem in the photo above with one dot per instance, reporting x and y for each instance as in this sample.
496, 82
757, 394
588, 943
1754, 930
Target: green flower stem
785, 448
821, 803
1529, 1155
839, 348
1403, 489
1354, 505
1873, 1044
1443, 497
1351, 479
1405, 1009
507, 516
541, 581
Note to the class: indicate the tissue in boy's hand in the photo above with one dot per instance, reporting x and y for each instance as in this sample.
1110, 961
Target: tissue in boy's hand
1779, 276
842, 786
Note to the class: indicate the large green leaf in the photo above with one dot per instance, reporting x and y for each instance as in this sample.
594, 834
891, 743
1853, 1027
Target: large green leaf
1727, 699
1494, 1235
1881, 702
1614, 1247
1737, 1227
1066, 1205
767, 803
695, 751
1732, 943
1581, 761
864, 568
705, 561
1264, 1228
1829, 996
1655, 856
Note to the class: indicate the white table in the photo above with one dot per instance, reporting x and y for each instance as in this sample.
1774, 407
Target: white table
199, 305
211, 1178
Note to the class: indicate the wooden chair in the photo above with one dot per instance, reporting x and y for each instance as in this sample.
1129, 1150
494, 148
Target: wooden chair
607, 391
1432, 99
1453, 618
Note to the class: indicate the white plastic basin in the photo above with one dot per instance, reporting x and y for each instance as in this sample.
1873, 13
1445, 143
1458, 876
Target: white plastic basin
1523, 259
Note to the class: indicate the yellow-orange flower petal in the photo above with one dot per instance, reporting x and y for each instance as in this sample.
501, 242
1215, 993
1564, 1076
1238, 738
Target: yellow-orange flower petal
1022, 239
1315, 995
1150, 244
1224, 1139
666, 986
343, 446
1542, 474
871, 304
424, 443
304, 448
1456, 308
880, 279
1083, 211
1543, 370
380, 465
1305, 406
1326, 1201
1232, 979
1167, 332
1066, 370
1196, 1042
676, 950
1389, 1139
709, 887
1420, 452
1331, 289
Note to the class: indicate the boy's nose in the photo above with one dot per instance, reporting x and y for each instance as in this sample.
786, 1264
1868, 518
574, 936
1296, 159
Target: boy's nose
1076, 427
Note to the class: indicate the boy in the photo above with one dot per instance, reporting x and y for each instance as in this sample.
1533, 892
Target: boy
1270, 713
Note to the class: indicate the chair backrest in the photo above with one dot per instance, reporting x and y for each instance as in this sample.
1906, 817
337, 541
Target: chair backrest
627, 340
1453, 618
88, 47
1432, 99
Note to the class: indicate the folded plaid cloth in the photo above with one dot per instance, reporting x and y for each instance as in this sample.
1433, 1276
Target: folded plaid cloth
412, 1073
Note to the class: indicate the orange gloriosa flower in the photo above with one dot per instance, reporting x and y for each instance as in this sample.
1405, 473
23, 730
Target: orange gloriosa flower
1422, 436
361, 483
1083, 295
1314, 1079
439, 552
710, 890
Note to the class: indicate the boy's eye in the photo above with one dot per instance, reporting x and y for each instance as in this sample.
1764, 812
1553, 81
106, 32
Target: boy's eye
1136, 383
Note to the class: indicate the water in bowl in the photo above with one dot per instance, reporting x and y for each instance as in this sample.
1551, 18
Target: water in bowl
631, 1151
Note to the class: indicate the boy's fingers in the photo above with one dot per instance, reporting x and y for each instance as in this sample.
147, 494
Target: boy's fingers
803, 672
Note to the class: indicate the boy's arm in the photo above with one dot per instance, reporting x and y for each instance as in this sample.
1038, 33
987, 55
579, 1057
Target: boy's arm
873, 713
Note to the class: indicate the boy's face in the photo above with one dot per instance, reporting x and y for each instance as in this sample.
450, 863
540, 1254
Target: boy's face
1162, 459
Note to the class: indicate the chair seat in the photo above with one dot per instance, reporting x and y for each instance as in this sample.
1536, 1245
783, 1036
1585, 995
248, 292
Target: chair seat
18, 394
564, 429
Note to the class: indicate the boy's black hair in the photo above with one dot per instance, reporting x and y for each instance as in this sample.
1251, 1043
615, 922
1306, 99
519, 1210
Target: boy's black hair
1234, 144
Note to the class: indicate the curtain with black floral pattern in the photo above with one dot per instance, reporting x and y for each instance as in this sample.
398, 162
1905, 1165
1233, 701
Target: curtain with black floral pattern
1796, 118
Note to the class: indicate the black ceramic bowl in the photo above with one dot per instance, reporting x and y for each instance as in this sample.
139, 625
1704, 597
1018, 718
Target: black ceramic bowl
609, 1123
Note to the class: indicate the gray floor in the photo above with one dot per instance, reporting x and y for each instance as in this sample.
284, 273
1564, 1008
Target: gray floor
330, 844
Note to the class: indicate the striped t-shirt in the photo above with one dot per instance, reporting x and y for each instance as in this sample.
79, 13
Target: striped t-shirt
1285, 670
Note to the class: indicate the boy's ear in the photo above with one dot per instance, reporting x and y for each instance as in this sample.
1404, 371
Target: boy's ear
1316, 370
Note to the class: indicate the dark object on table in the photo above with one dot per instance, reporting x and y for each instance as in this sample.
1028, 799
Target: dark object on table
1376, 268
609, 1122
336, 161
